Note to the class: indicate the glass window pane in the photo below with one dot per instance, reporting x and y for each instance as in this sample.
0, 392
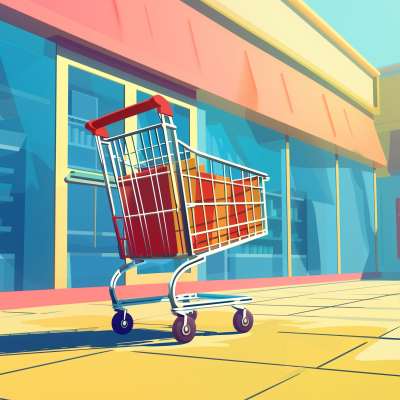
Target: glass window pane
357, 218
27, 159
313, 209
235, 139
92, 259
89, 97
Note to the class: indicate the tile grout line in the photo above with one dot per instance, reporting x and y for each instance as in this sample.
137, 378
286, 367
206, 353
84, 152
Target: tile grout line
337, 335
54, 362
351, 302
271, 387
388, 332
265, 363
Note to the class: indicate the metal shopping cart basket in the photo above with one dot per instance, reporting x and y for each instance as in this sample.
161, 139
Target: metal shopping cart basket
169, 201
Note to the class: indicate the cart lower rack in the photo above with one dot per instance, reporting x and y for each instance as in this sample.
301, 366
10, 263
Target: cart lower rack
169, 201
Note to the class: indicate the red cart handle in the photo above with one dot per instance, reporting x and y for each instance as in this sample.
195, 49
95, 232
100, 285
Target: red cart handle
97, 126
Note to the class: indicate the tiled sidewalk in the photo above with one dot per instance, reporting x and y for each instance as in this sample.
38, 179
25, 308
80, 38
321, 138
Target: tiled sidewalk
321, 341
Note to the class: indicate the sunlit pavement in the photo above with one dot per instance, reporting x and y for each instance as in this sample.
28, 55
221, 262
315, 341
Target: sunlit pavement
322, 341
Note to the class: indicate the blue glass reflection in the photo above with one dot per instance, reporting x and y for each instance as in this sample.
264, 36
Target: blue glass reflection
313, 210
235, 139
93, 254
89, 97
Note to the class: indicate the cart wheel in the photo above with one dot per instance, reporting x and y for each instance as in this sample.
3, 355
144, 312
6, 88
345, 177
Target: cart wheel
184, 334
194, 315
240, 324
121, 326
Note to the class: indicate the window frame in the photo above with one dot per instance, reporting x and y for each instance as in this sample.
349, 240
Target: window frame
62, 171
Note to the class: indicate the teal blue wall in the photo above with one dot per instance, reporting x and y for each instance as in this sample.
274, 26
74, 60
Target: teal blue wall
388, 189
27, 160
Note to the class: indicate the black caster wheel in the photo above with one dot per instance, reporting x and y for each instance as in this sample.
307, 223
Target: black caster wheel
193, 316
120, 325
241, 324
184, 334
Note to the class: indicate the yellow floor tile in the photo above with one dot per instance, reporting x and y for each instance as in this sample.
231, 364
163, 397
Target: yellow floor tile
23, 361
126, 374
217, 339
219, 363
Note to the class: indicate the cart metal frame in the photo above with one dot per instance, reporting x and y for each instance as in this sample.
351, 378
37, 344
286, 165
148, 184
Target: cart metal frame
126, 155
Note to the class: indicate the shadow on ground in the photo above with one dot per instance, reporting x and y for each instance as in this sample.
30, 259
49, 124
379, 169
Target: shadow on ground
66, 341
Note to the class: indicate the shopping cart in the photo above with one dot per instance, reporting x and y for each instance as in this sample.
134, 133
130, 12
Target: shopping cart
169, 201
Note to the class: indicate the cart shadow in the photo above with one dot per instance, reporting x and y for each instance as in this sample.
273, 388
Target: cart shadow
83, 340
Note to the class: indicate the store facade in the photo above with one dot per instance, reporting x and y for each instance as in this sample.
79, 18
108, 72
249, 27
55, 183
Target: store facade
310, 132
388, 180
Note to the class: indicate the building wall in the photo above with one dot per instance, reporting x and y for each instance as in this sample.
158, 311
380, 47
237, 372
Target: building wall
303, 40
173, 40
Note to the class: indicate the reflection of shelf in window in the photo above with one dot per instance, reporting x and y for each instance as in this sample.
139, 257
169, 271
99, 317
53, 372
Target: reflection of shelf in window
116, 255
79, 119
277, 218
84, 146
296, 198
273, 194
296, 220
298, 256
6, 170
6, 198
254, 255
297, 240
10, 140
272, 238
5, 228
89, 233
80, 168
76, 123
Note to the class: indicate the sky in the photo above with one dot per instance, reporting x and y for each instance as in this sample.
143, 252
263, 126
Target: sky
372, 27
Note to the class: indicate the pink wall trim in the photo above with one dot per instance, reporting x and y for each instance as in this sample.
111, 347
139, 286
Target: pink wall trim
52, 297
173, 40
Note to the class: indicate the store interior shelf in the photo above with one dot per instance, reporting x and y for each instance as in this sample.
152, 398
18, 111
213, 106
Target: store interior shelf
84, 146
83, 178
81, 120
254, 255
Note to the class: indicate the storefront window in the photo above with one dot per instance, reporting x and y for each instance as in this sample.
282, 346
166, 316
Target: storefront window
235, 139
357, 222
93, 254
89, 97
313, 210
181, 120
27, 159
